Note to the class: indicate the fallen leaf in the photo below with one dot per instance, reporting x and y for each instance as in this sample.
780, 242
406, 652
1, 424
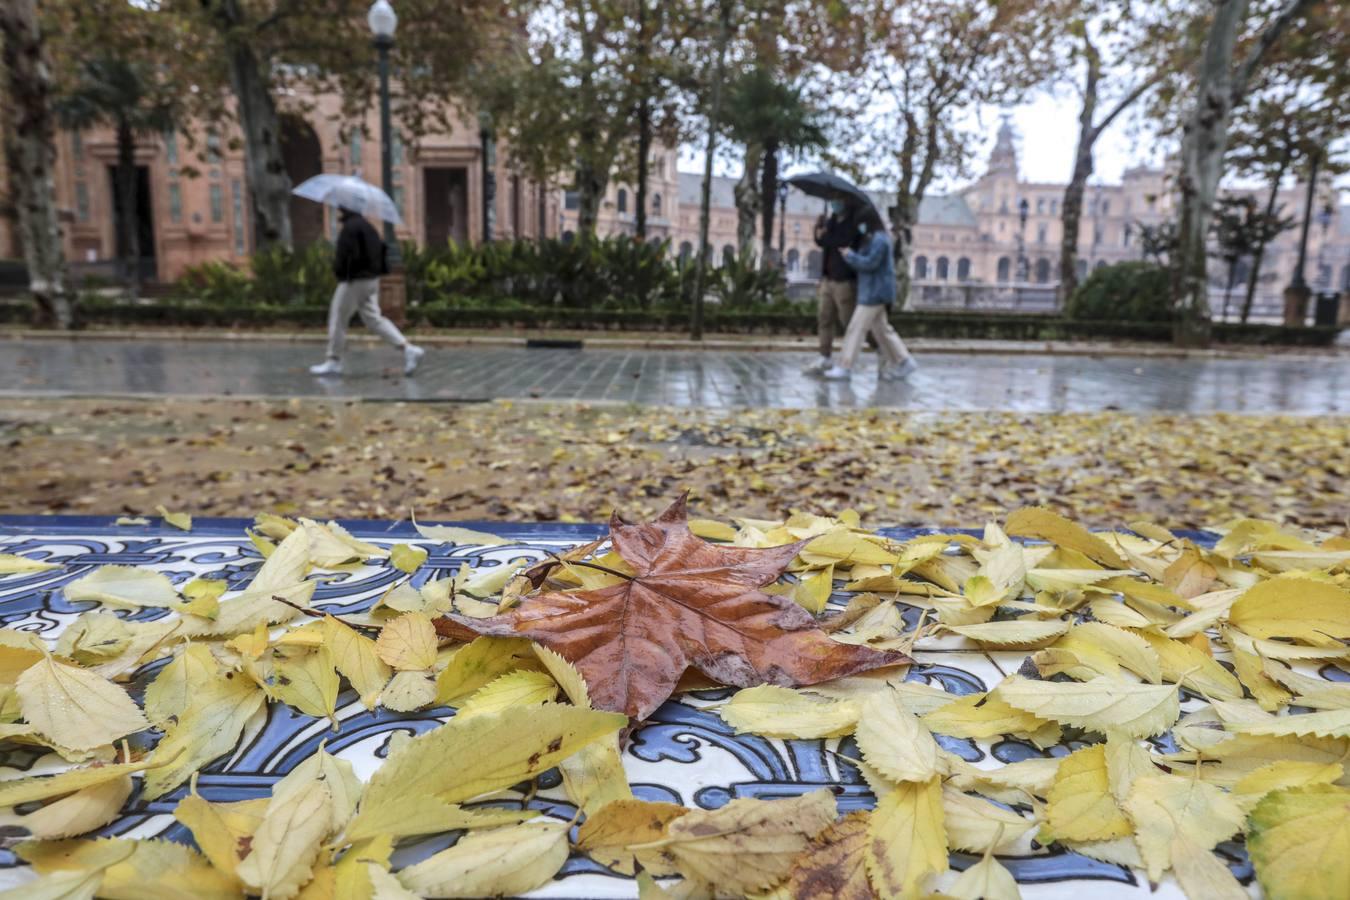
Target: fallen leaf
358, 659
1314, 612
308, 682
502, 861
181, 521
286, 843
1081, 806
1038, 522
407, 558
894, 742
906, 839
408, 691
1297, 841
210, 727
832, 866
125, 586
452, 534
785, 713
408, 643
221, 829
13, 564
1137, 710
609, 833
75, 814
987, 879
1167, 809
74, 707
691, 603
481, 661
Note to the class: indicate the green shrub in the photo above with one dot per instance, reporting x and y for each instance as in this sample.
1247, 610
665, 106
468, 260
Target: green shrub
279, 277
1125, 292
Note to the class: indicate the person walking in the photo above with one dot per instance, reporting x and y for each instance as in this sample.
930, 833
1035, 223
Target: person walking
876, 295
358, 263
838, 291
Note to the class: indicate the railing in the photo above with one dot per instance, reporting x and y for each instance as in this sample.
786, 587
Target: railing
973, 295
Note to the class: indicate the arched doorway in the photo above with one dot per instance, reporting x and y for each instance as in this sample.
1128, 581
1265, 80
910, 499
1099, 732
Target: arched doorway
303, 156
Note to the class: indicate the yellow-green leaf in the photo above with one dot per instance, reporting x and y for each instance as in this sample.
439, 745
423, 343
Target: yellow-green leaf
407, 558
786, 713
500, 862
74, 707
1137, 710
1298, 840
408, 643
906, 839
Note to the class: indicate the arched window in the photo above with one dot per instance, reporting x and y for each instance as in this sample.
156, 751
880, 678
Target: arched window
656, 204
1082, 268
1054, 207
1125, 235
1101, 264
920, 267
686, 251
623, 200
1106, 207
942, 268
794, 259
963, 269
1042, 270
1345, 278
728, 254
1042, 232
1004, 268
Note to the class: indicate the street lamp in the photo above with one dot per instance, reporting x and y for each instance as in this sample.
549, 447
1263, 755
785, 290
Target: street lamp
1323, 270
1023, 209
782, 223
383, 21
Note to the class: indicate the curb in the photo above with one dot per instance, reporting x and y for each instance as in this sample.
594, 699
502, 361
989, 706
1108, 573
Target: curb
802, 345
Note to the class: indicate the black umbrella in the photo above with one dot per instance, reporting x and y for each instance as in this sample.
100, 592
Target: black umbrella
831, 187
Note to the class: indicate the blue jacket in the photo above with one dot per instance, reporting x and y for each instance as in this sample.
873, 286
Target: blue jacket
876, 271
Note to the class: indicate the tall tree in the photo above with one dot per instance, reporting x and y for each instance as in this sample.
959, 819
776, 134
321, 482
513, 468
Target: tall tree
1220, 86
123, 93
725, 26
1122, 51
931, 64
29, 134
1241, 230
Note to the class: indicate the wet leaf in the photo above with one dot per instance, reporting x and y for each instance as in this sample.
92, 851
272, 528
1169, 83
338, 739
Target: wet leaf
501, 861
782, 712
74, 707
894, 742
285, 845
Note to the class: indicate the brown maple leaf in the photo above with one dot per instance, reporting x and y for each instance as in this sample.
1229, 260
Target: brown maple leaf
690, 604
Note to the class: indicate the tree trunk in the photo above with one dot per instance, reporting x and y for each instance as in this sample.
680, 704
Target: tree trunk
749, 202
592, 182
769, 192
1205, 138
1259, 257
269, 187
705, 199
644, 125
1069, 222
1228, 291
29, 136
129, 236
904, 217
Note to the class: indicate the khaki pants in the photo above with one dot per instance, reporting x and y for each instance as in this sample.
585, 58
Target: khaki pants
872, 320
835, 302
361, 296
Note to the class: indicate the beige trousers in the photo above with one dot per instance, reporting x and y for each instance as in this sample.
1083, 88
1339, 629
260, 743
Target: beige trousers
361, 296
873, 320
835, 302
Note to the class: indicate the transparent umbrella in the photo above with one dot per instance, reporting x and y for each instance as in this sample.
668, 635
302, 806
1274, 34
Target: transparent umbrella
350, 192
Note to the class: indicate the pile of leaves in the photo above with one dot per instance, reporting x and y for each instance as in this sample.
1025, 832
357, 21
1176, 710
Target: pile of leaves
572, 462
1181, 678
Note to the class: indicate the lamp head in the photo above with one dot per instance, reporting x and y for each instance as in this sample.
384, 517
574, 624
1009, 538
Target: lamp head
382, 19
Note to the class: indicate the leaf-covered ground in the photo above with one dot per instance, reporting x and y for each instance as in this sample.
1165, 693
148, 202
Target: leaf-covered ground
527, 462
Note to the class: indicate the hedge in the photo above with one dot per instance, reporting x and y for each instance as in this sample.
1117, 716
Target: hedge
947, 325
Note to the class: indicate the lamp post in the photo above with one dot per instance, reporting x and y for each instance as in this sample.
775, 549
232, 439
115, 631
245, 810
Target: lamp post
1323, 270
1023, 209
782, 224
382, 21
488, 151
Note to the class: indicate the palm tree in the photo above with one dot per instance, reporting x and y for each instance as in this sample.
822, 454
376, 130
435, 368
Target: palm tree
769, 117
125, 95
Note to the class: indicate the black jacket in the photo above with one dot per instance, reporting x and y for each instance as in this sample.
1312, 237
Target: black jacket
360, 252
839, 232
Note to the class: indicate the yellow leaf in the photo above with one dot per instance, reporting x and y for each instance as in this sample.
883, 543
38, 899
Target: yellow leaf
1250, 671
252, 608
357, 659
208, 728
338, 775
608, 835
894, 742
1332, 723
1038, 522
975, 825
129, 587
1190, 574
1245, 535
501, 862
1137, 710
479, 662
1024, 632
490, 752
813, 591
1126, 761
847, 548
308, 682
286, 844
79, 813
594, 775
93, 638
1277, 776
747, 845
1105, 648
566, 675
1011, 784
274, 526
74, 707
492, 581
1169, 808
1243, 754
513, 689
286, 567
408, 643
988, 879
786, 713
1202, 874
906, 840
1189, 667
712, 530
408, 691
181, 521
1298, 840
451, 534
16, 791
1081, 807
220, 829
988, 715
1314, 612
134, 870
202, 597
12, 564
407, 558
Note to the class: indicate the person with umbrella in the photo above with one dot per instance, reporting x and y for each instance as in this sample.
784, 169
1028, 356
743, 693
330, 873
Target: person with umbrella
358, 262
837, 294
876, 295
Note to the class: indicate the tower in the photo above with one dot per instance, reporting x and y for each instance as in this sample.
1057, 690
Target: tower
1003, 159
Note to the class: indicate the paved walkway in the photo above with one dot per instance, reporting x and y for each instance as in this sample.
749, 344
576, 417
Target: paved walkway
945, 381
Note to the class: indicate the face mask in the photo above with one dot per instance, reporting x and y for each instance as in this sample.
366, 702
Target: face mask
836, 206
862, 228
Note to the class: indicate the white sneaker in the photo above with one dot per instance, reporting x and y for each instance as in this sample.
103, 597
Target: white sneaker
817, 367
837, 373
901, 371
327, 367
412, 355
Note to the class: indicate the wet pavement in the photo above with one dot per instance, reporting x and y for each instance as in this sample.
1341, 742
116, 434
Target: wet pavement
719, 379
